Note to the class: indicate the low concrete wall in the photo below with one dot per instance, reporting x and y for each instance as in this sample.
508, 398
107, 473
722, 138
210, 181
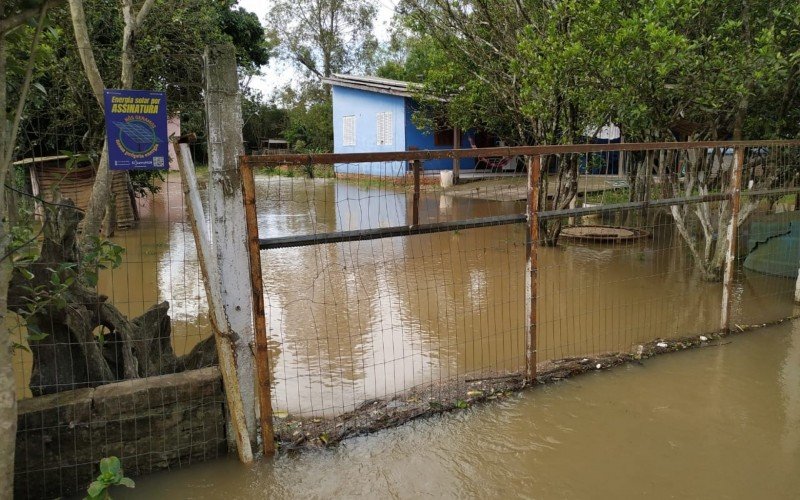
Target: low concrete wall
150, 424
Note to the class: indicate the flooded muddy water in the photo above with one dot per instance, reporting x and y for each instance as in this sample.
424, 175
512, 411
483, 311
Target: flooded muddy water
715, 422
360, 320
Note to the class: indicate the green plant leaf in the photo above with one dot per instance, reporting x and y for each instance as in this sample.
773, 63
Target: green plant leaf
17, 345
110, 465
128, 482
96, 488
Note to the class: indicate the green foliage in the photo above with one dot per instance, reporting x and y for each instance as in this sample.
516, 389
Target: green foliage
102, 254
110, 475
253, 49
309, 119
262, 120
553, 72
52, 291
325, 36
62, 112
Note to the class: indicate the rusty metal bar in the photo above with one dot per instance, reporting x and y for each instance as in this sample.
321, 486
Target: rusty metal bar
532, 275
438, 227
263, 378
415, 165
331, 158
771, 192
387, 232
733, 235
572, 212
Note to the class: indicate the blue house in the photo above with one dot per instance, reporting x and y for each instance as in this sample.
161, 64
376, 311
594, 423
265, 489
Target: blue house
372, 114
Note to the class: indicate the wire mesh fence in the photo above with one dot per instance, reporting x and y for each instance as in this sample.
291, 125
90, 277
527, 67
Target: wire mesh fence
389, 297
111, 338
391, 291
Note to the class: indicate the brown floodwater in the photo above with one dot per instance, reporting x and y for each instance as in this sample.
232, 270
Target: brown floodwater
715, 422
360, 320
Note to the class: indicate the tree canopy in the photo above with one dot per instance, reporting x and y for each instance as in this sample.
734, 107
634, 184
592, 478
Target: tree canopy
168, 50
552, 72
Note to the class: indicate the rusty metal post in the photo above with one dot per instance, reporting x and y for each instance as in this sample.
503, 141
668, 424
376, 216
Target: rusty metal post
733, 236
415, 165
263, 378
532, 274
456, 161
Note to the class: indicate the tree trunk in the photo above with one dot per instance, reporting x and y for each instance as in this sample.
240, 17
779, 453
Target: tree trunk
88, 341
8, 398
101, 189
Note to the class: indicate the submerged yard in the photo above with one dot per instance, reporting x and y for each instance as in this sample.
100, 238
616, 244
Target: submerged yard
715, 422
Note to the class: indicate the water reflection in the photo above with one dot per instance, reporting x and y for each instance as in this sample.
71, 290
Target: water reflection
359, 320
708, 423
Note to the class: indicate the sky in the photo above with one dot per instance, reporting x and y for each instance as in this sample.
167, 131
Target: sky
278, 73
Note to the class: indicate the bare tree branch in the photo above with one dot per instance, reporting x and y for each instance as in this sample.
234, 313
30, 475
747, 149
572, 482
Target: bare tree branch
23, 93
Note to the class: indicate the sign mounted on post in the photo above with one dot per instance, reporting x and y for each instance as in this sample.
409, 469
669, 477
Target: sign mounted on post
136, 128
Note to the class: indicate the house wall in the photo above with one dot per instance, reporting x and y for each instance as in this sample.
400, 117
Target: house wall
365, 106
423, 139
173, 129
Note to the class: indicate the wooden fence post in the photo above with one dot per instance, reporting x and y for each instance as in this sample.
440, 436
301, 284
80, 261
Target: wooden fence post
222, 338
226, 207
415, 165
733, 236
259, 314
532, 274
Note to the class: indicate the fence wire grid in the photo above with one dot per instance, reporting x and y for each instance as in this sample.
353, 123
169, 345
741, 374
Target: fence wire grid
390, 293
387, 298
80, 399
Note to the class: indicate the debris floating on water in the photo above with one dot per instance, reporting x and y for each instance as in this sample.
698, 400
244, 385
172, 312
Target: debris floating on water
598, 366
662, 345
703, 338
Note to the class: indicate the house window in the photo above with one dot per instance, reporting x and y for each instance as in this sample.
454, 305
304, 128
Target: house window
385, 128
349, 131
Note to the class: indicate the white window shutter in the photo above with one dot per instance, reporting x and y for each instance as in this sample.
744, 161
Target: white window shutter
385, 133
349, 131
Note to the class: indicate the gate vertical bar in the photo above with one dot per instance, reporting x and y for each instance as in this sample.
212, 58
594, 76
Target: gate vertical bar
532, 274
263, 375
456, 161
415, 165
733, 236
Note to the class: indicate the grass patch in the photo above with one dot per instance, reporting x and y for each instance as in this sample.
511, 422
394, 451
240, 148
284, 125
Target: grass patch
303, 171
609, 197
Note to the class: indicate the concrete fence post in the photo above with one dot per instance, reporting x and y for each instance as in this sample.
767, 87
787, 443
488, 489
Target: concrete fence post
227, 216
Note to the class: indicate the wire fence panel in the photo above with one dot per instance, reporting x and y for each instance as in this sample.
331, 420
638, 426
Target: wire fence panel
374, 317
389, 298
114, 354
393, 288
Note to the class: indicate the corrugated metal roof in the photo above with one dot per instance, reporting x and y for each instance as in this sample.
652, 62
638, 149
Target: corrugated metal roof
373, 84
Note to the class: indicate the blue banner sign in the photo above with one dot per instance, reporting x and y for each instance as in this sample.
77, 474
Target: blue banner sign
136, 128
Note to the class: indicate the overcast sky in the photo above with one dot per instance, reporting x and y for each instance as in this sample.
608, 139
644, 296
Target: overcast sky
279, 73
